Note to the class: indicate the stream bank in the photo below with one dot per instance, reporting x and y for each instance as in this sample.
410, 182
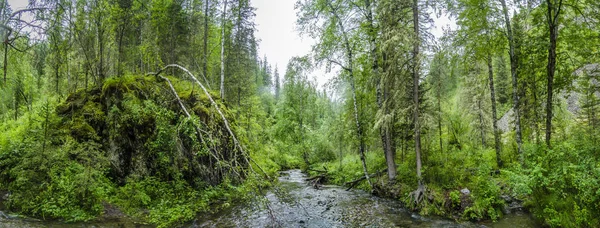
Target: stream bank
295, 203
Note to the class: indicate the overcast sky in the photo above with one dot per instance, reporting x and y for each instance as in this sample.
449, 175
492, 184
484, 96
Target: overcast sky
276, 29
276, 21
17, 4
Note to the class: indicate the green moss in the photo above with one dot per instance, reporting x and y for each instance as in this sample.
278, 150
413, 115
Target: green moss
128, 144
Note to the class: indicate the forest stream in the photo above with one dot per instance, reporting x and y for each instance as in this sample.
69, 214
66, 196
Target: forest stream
295, 203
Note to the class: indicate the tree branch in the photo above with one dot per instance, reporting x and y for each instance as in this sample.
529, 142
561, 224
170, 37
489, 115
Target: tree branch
246, 156
190, 118
339, 64
27, 10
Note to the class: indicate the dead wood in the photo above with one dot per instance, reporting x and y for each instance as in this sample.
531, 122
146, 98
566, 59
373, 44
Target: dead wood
353, 183
198, 130
245, 155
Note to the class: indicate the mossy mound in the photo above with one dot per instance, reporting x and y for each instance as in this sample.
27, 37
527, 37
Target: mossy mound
143, 130
128, 143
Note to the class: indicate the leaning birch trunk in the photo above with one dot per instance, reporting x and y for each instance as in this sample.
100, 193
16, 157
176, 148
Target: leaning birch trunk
350, 71
198, 131
245, 155
223, 51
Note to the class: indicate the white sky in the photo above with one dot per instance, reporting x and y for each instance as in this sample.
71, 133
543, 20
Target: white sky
276, 28
17, 4
276, 20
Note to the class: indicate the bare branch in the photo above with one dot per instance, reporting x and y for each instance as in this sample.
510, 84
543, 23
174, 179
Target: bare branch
216, 106
339, 64
187, 114
30, 24
27, 10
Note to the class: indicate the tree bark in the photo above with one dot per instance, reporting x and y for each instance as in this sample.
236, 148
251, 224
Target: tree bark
349, 69
5, 58
552, 17
120, 50
439, 104
514, 73
101, 50
223, 51
416, 77
494, 114
481, 124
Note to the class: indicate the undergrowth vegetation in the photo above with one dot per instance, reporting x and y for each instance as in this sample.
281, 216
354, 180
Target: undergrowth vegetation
126, 144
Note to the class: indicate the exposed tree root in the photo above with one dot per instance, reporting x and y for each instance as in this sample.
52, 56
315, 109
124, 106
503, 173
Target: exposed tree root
416, 197
317, 181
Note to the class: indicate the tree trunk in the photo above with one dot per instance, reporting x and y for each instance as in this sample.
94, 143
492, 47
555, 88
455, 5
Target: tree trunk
389, 146
481, 124
205, 47
439, 106
5, 59
386, 133
535, 112
494, 114
223, 51
101, 51
16, 106
56, 76
350, 59
120, 50
514, 73
416, 77
237, 144
553, 28
86, 77
359, 131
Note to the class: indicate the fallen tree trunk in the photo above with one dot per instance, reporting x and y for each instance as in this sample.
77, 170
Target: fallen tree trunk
198, 130
353, 183
245, 155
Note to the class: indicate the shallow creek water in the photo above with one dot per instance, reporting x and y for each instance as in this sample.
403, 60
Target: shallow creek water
297, 204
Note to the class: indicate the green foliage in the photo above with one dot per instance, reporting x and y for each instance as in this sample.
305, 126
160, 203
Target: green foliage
125, 144
350, 168
47, 180
124, 140
564, 185
486, 197
455, 198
